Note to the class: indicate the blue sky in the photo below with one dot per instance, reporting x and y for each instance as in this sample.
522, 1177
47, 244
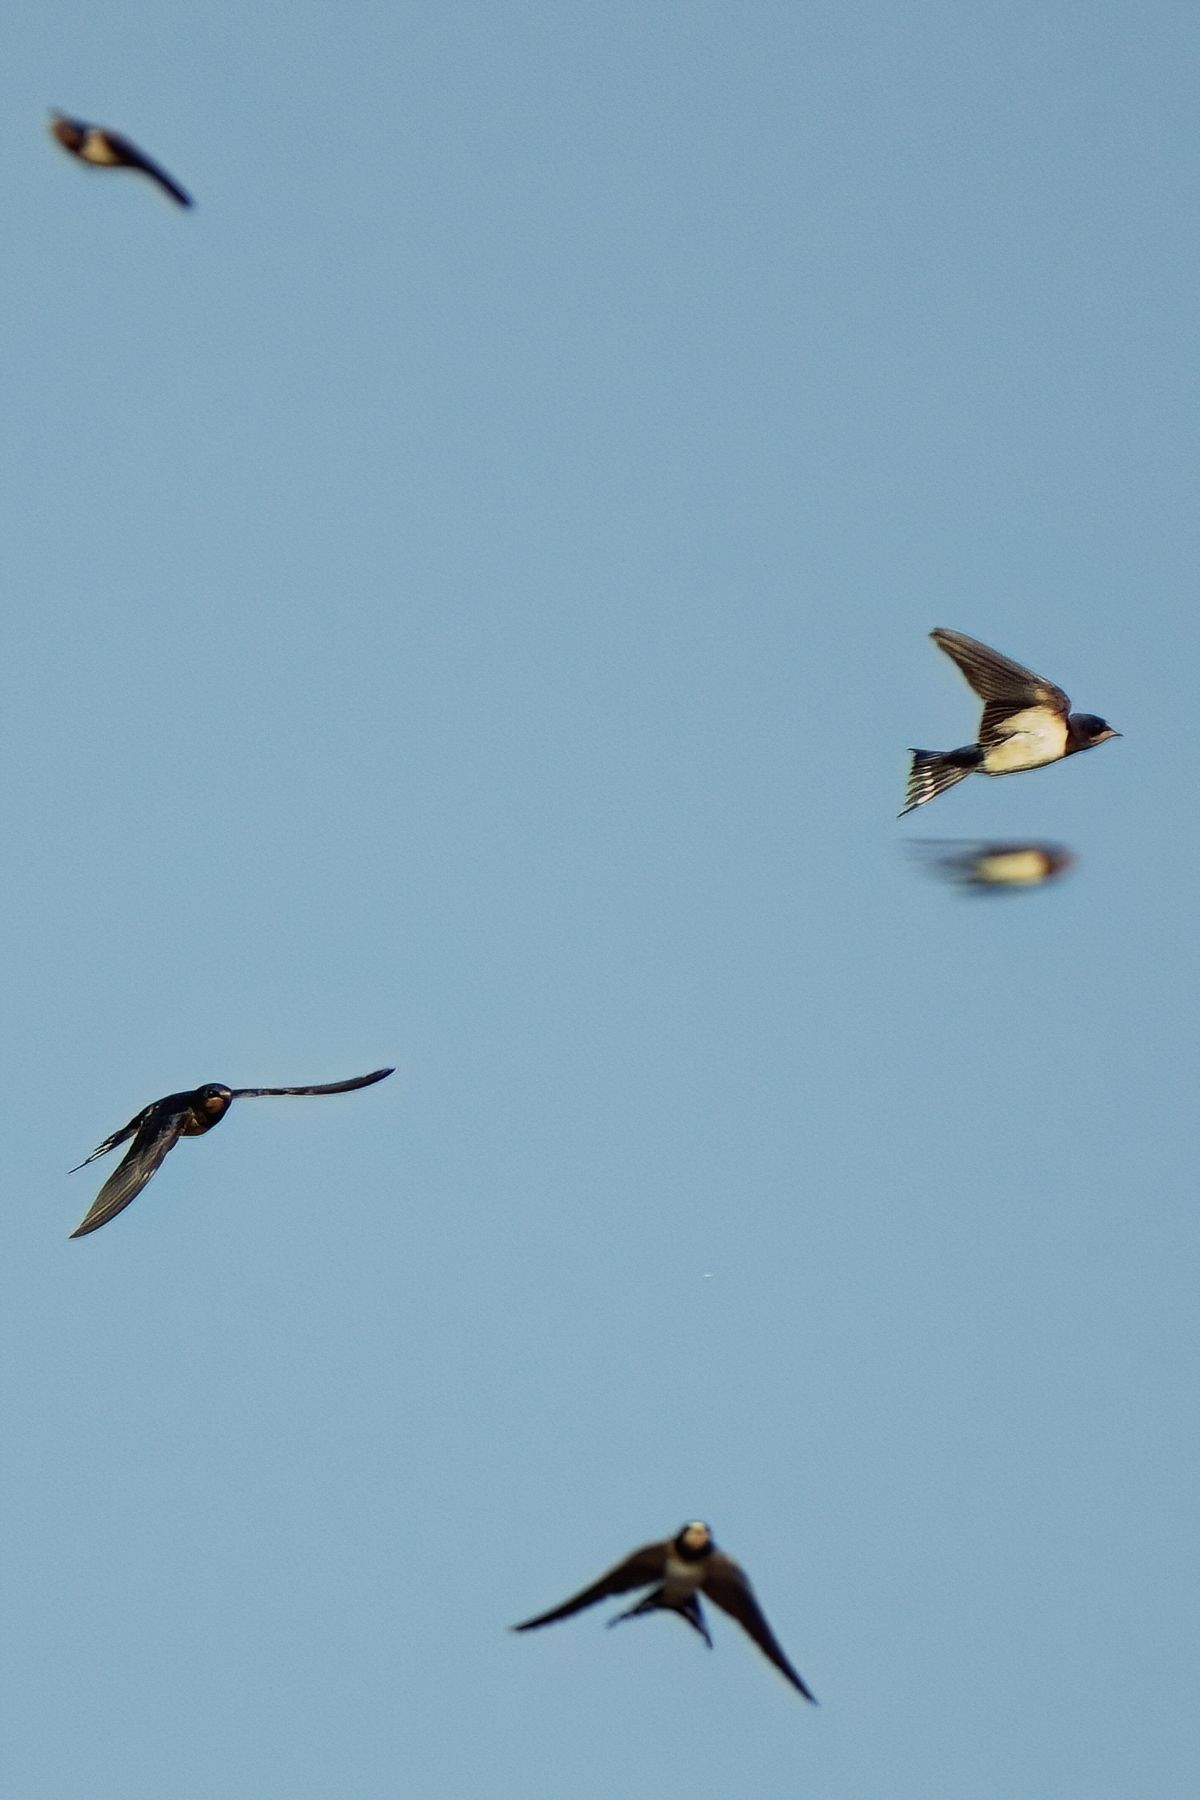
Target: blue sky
469, 586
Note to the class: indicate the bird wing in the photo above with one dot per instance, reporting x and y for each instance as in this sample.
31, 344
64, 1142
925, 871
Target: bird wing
644, 1566
118, 1137
328, 1087
126, 1182
137, 159
997, 679
726, 1583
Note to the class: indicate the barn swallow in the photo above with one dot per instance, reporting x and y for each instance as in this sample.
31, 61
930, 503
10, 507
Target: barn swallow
996, 868
684, 1566
1026, 722
109, 150
158, 1128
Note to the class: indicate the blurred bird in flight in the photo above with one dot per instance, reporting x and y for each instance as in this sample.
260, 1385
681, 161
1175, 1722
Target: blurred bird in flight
106, 149
683, 1567
995, 868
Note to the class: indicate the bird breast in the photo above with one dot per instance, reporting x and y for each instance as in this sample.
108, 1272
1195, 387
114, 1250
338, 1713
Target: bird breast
97, 149
199, 1121
1032, 737
681, 1579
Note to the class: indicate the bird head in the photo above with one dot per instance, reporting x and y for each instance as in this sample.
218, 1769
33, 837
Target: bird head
1092, 730
69, 132
694, 1541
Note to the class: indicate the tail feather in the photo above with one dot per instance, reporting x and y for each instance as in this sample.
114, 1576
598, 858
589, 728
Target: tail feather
933, 771
651, 1603
688, 1610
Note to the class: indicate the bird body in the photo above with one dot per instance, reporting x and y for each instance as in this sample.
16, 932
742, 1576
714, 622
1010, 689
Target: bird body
1034, 736
159, 1127
1027, 722
100, 147
106, 149
680, 1578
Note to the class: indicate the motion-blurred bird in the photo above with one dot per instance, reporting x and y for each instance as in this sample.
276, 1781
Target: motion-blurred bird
996, 868
159, 1127
1026, 722
684, 1567
109, 150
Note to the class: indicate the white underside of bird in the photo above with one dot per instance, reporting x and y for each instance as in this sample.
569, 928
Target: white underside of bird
1031, 738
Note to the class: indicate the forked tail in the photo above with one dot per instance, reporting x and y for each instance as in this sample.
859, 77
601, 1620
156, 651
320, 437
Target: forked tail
689, 1610
933, 771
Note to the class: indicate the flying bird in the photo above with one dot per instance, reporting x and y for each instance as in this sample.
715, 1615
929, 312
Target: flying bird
1026, 722
996, 868
159, 1127
684, 1567
109, 150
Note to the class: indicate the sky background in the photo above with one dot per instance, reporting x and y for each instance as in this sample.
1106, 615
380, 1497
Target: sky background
468, 594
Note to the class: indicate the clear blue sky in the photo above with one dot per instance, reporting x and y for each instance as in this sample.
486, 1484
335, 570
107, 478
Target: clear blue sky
468, 587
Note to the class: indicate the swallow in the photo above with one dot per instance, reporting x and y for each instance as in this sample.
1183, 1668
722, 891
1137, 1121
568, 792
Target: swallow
684, 1567
994, 868
159, 1127
1026, 722
109, 150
